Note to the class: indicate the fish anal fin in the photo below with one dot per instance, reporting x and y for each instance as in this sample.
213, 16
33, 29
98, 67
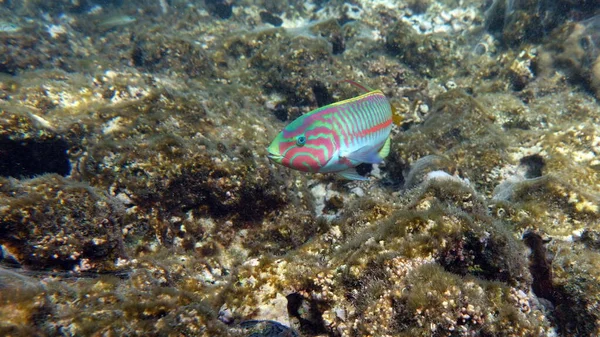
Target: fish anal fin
351, 174
365, 154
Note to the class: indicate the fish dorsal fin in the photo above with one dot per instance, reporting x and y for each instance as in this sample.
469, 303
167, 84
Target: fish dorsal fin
351, 174
385, 150
358, 85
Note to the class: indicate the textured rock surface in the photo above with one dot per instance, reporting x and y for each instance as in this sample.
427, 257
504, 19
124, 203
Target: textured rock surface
136, 198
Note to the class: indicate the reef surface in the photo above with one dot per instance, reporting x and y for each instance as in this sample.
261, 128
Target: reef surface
136, 198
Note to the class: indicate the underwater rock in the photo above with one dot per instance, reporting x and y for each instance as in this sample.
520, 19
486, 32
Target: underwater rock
164, 53
485, 255
576, 48
150, 298
478, 245
564, 214
19, 51
518, 22
25, 159
429, 54
461, 129
51, 222
591, 238
521, 71
268, 17
219, 190
306, 313
23, 302
533, 166
332, 32
540, 266
529, 168
177, 141
286, 64
55, 8
267, 329
327, 202
421, 168
547, 198
446, 303
576, 292
419, 6
41, 43
220, 8
172, 162
411, 264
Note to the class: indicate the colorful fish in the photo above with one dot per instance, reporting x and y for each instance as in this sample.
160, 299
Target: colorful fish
337, 137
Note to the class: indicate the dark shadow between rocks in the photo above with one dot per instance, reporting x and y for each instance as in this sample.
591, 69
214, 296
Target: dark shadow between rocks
29, 158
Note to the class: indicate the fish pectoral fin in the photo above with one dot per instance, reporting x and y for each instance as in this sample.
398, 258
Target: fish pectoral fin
351, 174
385, 150
365, 154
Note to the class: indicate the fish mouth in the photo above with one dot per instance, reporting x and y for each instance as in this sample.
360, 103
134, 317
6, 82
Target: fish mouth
275, 157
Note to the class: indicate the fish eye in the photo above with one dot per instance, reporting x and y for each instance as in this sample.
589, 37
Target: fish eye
300, 140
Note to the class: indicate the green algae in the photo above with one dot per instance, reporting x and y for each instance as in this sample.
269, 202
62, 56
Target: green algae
445, 303
429, 54
84, 232
173, 146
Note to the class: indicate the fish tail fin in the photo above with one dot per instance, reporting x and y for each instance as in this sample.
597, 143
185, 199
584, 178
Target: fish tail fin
396, 117
385, 149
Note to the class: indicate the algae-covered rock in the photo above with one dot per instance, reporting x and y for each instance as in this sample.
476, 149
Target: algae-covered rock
149, 298
532, 20
429, 54
23, 303
441, 304
51, 222
173, 165
16, 50
461, 129
574, 48
159, 52
432, 261
31, 44
170, 220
